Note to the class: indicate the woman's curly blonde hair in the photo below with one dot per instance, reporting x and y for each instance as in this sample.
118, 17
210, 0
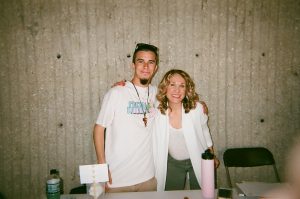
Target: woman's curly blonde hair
190, 99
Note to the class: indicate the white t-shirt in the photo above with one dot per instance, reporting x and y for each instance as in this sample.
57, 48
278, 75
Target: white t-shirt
177, 146
128, 144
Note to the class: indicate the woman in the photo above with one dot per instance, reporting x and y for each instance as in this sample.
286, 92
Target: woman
180, 133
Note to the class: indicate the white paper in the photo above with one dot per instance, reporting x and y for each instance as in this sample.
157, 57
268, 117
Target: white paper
257, 188
93, 173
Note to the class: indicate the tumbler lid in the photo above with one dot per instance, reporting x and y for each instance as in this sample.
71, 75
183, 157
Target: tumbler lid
207, 155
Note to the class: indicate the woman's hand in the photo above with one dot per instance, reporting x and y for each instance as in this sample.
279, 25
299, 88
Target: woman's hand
120, 83
217, 162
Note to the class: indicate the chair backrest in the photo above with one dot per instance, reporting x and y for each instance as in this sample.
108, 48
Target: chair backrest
248, 157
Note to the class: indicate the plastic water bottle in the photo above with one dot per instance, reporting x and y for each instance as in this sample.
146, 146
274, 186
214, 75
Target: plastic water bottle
207, 175
61, 181
53, 185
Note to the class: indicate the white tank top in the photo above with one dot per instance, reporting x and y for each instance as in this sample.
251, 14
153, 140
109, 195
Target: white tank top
177, 146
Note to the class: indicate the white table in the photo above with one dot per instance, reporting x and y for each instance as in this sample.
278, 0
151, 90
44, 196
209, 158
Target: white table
189, 194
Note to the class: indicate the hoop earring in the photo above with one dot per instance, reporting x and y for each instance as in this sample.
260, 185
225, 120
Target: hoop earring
165, 101
186, 98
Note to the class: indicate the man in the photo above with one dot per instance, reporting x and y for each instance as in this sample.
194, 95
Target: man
126, 114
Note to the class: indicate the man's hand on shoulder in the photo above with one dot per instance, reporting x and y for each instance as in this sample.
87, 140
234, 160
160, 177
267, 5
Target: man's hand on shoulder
205, 108
120, 83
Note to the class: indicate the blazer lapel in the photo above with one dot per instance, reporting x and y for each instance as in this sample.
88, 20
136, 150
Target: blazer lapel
190, 136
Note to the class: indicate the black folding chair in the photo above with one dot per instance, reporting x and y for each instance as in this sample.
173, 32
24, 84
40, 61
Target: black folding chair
248, 157
79, 190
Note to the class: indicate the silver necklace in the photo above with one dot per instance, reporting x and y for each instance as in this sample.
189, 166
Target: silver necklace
144, 111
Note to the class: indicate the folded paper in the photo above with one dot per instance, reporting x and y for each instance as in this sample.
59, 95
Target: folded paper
93, 173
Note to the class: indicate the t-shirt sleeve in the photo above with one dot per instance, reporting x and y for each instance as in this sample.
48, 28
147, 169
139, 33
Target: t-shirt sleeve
156, 102
107, 109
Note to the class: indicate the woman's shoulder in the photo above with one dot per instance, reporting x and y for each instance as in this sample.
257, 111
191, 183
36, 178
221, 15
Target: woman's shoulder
199, 107
199, 112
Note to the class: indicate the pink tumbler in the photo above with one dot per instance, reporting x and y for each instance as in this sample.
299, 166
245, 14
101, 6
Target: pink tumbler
207, 175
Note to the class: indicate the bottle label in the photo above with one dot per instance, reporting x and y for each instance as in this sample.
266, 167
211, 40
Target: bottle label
53, 186
53, 195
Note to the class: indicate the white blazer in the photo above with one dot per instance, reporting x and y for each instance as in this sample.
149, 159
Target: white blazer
197, 138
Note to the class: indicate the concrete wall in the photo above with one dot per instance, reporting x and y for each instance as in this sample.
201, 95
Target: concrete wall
59, 57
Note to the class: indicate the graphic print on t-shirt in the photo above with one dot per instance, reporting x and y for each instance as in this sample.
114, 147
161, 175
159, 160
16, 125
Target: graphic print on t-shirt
140, 108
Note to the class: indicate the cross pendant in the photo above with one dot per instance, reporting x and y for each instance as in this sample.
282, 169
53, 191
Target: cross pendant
145, 120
